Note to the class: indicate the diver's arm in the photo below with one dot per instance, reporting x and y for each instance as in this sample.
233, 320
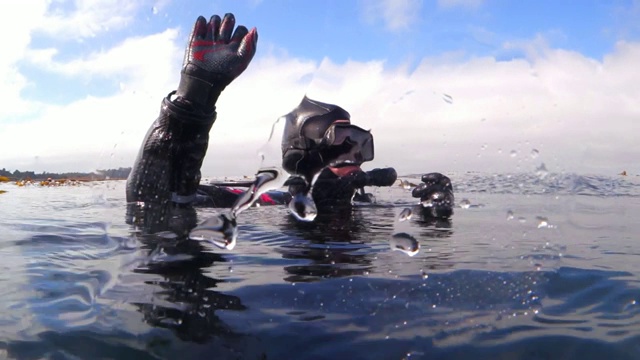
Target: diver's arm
169, 161
381, 177
167, 169
359, 179
332, 190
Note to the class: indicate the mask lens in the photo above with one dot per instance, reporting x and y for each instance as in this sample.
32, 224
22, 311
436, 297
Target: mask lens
361, 142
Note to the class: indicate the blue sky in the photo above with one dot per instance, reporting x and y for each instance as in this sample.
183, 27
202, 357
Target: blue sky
446, 85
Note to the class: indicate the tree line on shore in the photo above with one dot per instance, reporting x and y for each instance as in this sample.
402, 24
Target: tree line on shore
106, 174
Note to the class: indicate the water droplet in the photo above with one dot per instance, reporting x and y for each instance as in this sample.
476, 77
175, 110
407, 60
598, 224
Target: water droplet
483, 147
405, 243
405, 214
266, 179
542, 222
534, 153
465, 203
509, 215
302, 207
222, 230
154, 10
447, 98
513, 153
541, 171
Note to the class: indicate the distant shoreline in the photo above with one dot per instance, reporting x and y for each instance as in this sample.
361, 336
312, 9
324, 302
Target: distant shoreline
98, 175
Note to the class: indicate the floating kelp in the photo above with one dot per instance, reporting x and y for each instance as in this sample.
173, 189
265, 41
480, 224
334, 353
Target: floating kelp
406, 184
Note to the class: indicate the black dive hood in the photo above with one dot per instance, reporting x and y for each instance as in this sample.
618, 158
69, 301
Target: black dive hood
303, 150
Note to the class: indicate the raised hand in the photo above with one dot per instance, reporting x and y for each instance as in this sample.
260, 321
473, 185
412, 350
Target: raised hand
436, 195
215, 56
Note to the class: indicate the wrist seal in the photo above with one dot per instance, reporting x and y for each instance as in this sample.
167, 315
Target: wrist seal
201, 92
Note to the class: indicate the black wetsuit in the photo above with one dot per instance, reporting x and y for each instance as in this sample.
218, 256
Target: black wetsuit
165, 179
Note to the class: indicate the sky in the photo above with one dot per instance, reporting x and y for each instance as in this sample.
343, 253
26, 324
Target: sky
444, 85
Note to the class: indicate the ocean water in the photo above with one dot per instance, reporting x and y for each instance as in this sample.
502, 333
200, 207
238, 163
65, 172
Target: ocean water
531, 266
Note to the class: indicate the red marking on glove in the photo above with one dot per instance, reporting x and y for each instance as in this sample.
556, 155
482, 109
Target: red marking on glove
200, 54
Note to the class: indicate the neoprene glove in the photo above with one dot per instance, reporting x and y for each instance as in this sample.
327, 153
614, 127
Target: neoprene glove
214, 57
436, 195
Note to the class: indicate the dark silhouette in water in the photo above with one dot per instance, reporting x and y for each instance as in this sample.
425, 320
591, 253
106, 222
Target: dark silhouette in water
183, 282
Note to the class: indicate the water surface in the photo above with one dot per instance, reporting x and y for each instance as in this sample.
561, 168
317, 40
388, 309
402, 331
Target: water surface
531, 266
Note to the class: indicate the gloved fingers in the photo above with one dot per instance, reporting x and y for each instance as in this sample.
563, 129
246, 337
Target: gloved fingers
419, 190
248, 45
434, 183
436, 178
226, 28
199, 29
240, 32
213, 28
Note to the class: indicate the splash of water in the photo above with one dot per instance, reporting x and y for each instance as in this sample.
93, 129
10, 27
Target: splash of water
267, 179
405, 214
302, 206
222, 229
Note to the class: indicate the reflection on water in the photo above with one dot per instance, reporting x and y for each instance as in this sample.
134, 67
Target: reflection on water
186, 297
78, 284
342, 243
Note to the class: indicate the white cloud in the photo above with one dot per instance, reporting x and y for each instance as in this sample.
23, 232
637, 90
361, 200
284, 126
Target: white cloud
16, 24
449, 114
87, 18
580, 114
396, 15
50, 137
142, 62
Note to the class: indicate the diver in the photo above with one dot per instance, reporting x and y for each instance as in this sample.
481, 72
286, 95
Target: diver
319, 140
